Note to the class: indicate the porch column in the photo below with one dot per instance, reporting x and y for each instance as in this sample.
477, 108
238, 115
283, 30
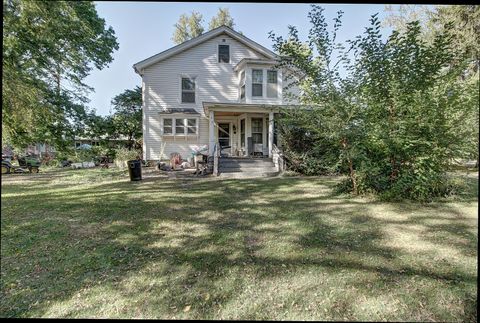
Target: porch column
211, 133
270, 134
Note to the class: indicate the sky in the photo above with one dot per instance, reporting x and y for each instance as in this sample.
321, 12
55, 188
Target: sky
144, 29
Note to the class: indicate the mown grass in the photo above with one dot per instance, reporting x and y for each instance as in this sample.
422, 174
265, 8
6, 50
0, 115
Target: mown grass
89, 243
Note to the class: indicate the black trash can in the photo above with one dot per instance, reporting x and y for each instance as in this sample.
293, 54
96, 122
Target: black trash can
135, 170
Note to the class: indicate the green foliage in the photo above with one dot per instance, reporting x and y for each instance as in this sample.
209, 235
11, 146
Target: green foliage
122, 155
222, 18
397, 119
127, 118
49, 47
188, 27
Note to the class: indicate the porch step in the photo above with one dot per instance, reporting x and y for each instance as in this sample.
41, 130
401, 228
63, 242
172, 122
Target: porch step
246, 167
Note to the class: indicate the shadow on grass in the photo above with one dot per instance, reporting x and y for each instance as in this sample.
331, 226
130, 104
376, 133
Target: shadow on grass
200, 234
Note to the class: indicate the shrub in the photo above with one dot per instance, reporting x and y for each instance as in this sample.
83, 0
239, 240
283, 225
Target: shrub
122, 155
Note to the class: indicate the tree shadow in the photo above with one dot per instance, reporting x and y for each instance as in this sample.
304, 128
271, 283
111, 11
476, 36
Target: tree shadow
202, 235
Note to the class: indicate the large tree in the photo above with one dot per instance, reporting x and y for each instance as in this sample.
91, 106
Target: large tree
222, 18
127, 116
188, 27
49, 47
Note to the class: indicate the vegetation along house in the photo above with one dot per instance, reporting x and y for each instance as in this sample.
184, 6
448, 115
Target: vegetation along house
219, 89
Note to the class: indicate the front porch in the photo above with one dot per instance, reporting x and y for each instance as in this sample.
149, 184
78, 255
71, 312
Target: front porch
241, 130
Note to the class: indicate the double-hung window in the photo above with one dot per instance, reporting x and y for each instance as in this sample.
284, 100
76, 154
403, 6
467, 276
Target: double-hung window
272, 88
180, 126
257, 82
188, 90
224, 53
242, 85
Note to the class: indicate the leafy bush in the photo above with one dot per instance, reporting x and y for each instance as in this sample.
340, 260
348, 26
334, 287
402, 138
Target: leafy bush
122, 155
393, 123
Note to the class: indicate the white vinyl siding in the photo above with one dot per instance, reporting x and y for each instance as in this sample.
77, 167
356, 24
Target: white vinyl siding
162, 85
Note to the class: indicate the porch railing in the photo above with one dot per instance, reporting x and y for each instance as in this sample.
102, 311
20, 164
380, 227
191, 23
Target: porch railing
278, 158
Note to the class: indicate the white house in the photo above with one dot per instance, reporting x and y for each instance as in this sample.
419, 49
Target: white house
218, 89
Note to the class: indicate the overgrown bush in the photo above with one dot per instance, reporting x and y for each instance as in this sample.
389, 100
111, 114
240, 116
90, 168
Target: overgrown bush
393, 123
122, 155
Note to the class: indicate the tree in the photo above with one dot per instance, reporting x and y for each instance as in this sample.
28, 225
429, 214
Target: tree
49, 47
391, 122
465, 20
222, 18
127, 118
188, 27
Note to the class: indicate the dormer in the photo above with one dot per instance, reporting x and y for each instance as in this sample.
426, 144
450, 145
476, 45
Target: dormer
259, 81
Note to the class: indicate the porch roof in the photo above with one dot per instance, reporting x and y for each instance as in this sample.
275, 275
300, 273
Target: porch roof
241, 107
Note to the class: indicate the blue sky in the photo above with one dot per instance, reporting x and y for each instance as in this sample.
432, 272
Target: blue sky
145, 28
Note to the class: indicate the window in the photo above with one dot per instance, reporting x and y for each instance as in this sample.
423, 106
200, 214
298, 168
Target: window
183, 126
191, 126
272, 91
257, 82
167, 127
188, 90
257, 130
224, 53
179, 126
242, 85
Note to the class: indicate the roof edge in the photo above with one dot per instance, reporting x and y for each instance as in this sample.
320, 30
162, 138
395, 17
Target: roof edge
199, 39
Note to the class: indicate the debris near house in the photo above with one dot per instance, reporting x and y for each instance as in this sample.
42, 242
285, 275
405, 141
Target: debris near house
89, 164
175, 161
185, 165
163, 166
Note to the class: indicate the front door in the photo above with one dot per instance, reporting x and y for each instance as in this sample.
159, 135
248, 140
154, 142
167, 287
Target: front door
224, 137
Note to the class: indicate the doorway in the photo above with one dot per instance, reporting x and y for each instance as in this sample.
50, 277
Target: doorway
224, 137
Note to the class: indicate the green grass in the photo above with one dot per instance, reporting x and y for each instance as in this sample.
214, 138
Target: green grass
89, 243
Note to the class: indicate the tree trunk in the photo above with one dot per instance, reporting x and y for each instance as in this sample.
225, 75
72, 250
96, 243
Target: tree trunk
350, 167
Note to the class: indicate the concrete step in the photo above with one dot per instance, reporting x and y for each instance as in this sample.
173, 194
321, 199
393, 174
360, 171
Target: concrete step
236, 175
245, 160
248, 170
252, 166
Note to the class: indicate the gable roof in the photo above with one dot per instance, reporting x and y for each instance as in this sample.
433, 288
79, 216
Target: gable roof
200, 39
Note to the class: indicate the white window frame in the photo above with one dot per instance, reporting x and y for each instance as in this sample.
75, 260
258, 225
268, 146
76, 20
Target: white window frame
276, 83
242, 84
185, 126
195, 79
229, 53
263, 83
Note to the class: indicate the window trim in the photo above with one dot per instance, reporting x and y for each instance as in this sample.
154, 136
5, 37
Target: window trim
191, 77
185, 119
258, 69
276, 83
218, 53
242, 85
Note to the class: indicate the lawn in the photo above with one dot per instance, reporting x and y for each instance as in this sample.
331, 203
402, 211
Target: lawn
89, 243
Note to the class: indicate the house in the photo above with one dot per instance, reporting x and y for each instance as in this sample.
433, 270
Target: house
220, 89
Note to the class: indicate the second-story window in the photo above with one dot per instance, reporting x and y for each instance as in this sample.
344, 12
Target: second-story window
257, 82
242, 85
272, 89
188, 90
224, 53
